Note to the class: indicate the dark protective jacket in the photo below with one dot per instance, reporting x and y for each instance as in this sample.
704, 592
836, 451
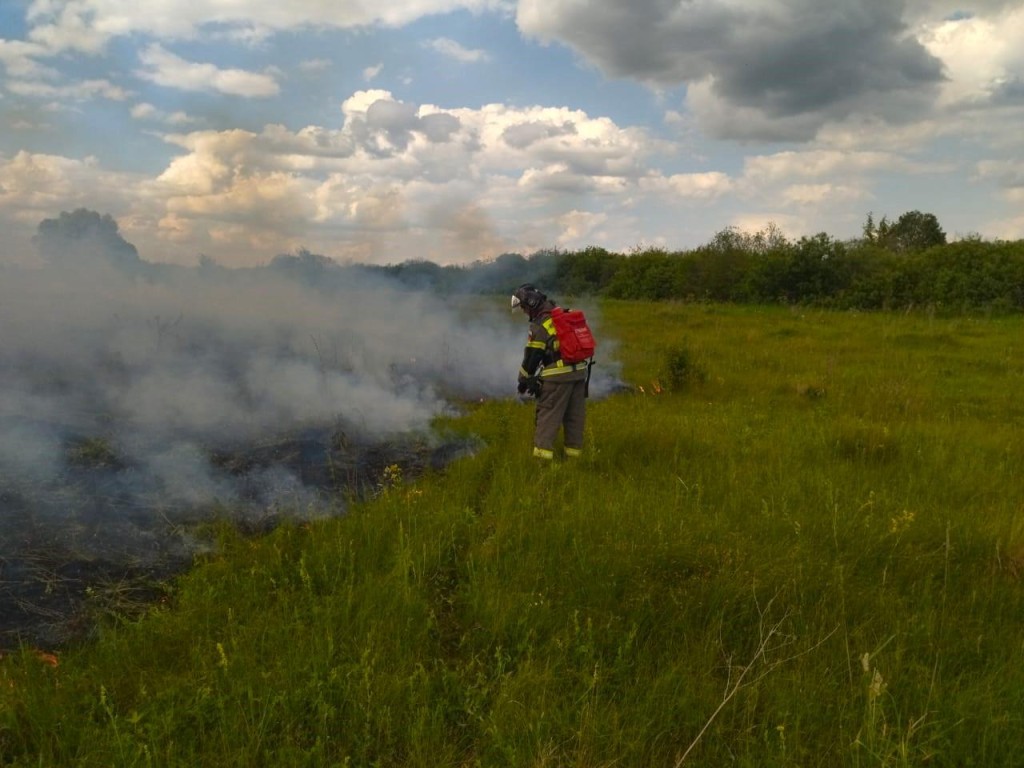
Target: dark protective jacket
542, 355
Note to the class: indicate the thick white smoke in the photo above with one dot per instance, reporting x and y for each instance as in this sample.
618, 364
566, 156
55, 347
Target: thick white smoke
135, 396
148, 362
138, 398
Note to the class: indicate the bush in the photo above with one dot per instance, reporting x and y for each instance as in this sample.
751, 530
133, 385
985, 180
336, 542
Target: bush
680, 370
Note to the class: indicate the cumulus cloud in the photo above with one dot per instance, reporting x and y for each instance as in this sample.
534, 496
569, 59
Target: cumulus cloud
556, 178
870, 87
547, 136
522, 135
72, 26
981, 54
162, 67
394, 181
399, 179
394, 164
386, 126
795, 64
32, 185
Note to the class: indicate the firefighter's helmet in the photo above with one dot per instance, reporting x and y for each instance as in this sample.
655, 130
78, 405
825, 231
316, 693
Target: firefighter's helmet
528, 296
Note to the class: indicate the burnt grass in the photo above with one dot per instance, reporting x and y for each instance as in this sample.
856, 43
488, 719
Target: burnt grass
92, 546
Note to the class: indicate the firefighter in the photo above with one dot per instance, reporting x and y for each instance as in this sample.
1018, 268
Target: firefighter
560, 389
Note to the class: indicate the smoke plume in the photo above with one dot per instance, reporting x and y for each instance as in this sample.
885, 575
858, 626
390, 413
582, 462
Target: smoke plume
136, 395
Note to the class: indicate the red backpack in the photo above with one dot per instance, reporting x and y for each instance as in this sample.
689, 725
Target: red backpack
575, 341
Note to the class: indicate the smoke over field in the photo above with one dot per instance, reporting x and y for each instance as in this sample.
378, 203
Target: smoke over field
139, 398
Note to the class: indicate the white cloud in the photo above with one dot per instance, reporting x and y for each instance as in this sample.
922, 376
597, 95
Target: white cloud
865, 134
578, 226
584, 145
178, 118
979, 53
400, 178
367, 206
453, 50
817, 164
33, 182
148, 112
559, 178
89, 25
271, 198
164, 68
395, 176
34, 186
852, 91
818, 194
315, 65
693, 186
76, 91
72, 27
145, 111
19, 60
209, 165
359, 102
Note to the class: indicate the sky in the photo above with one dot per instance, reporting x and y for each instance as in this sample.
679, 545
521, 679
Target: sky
457, 130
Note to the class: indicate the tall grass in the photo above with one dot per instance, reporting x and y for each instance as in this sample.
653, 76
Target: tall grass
806, 551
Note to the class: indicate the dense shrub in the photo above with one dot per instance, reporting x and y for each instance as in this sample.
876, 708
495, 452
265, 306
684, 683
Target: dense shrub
966, 275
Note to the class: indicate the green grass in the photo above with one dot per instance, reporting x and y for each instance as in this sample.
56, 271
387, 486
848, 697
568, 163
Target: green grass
800, 545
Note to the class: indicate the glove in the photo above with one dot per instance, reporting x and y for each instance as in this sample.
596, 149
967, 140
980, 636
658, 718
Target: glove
523, 386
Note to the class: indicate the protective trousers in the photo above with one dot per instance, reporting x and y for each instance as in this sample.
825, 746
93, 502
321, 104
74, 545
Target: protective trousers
561, 404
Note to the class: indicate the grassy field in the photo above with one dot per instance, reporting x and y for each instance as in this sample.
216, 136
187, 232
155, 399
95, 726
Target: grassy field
797, 540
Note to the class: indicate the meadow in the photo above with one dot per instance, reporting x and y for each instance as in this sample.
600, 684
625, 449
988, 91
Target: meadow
796, 539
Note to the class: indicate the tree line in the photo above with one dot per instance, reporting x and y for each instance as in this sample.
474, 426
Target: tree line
894, 264
898, 264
